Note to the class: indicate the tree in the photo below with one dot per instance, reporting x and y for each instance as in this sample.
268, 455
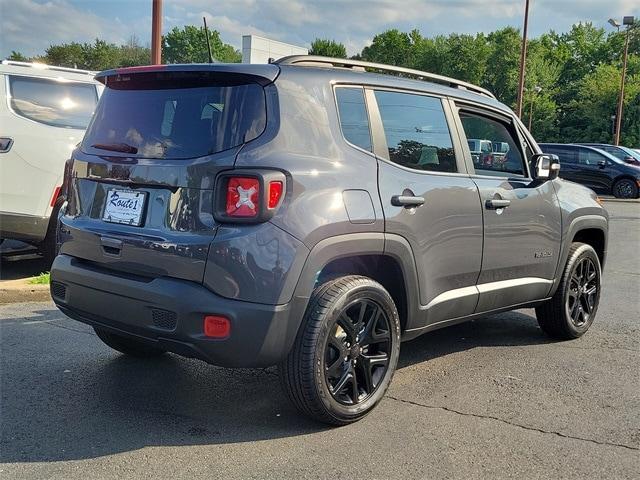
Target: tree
328, 48
588, 116
17, 57
189, 45
503, 62
392, 47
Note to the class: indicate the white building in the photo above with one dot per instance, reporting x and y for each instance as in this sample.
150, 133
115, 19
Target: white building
259, 49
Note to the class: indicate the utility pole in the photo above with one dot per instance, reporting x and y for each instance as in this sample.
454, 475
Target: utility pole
523, 59
628, 21
156, 33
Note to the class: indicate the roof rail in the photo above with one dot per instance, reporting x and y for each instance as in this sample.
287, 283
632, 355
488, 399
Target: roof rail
44, 66
311, 60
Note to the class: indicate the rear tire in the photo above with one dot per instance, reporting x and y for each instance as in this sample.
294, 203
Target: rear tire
127, 346
345, 353
573, 307
625, 188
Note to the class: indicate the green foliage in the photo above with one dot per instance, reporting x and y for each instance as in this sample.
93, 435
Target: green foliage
99, 55
17, 57
189, 45
328, 48
392, 47
43, 279
588, 115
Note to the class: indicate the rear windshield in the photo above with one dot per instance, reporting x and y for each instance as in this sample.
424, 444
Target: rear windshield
199, 117
53, 102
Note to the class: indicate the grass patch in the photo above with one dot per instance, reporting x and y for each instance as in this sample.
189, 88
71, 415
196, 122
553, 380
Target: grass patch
43, 279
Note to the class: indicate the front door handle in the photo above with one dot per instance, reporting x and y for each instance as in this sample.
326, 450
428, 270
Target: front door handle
406, 201
496, 203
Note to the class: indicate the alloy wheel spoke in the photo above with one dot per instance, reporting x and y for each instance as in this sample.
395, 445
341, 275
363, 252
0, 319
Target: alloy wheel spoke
591, 290
365, 369
336, 367
347, 325
586, 307
355, 391
340, 384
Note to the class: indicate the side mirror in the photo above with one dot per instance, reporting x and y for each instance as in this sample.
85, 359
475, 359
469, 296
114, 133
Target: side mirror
602, 163
547, 166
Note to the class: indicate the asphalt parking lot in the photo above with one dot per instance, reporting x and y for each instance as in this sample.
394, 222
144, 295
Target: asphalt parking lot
489, 399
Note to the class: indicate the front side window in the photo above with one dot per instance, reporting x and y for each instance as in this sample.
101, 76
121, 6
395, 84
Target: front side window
53, 102
499, 152
416, 131
353, 116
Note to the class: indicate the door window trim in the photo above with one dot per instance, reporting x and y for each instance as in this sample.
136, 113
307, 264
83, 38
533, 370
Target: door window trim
508, 121
380, 147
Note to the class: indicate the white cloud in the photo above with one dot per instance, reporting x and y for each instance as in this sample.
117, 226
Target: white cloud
30, 27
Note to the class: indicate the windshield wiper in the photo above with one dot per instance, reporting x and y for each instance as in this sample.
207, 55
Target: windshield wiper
116, 147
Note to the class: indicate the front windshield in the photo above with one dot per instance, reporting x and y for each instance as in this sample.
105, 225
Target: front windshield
632, 153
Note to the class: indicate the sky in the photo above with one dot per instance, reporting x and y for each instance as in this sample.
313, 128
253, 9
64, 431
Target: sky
30, 26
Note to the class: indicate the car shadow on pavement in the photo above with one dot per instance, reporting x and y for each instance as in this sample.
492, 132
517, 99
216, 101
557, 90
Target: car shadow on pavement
81, 400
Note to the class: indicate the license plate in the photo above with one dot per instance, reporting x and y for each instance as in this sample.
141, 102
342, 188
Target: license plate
124, 206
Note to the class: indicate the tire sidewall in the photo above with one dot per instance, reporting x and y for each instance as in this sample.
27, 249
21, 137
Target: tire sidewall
375, 293
585, 251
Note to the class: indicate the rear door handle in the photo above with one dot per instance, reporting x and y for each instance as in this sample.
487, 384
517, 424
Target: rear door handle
406, 201
495, 203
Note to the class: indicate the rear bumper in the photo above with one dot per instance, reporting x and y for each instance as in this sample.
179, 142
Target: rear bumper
169, 313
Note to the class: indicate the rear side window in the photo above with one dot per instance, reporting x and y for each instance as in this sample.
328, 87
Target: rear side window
566, 155
353, 116
171, 118
53, 102
506, 159
416, 131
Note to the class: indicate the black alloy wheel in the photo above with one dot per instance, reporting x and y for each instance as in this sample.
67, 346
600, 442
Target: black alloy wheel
625, 188
583, 292
357, 352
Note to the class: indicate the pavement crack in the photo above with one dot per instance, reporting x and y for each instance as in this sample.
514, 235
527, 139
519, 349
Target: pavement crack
517, 425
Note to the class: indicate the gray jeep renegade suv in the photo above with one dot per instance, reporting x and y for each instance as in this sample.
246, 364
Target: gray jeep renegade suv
313, 213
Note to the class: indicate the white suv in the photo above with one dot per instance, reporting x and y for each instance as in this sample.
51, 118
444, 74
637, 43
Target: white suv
44, 111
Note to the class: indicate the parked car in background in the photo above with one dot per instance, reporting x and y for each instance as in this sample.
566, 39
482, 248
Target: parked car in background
44, 111
481, 151
204, 219
628, 155
500, 151
597, 169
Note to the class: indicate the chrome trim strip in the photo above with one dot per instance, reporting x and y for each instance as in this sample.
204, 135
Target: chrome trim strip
458, 293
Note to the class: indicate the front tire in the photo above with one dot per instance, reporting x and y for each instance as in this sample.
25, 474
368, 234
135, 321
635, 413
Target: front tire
127, 346
625, 188
573, 307
345, 353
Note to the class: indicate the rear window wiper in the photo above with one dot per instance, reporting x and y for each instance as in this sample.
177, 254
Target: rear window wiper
116, 147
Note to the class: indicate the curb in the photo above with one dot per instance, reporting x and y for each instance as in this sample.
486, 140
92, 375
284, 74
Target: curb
19, 291
620, 200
